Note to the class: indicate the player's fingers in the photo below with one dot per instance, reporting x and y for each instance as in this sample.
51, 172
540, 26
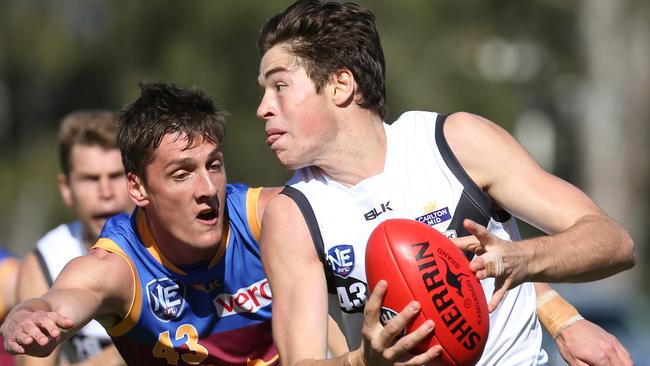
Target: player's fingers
431, 358
477, 265
616, 355
479, 231
493, 262
61, 321
467, 243
624, 356
33, 332
409, 341
14, 348
26, 330
395, 327
499, 293
48, 323
373, 305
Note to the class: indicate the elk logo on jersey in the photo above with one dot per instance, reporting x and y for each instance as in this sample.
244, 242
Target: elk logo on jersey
341, 260
166, 298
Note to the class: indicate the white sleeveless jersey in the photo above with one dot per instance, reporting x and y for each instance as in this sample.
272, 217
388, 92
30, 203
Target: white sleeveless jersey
423, 181
53, 251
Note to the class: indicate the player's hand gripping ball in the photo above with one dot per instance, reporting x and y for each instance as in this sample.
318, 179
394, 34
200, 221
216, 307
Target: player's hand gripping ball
419, 263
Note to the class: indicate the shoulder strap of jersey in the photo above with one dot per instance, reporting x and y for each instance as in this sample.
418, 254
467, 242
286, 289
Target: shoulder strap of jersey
474, 203
43, 264
314, 230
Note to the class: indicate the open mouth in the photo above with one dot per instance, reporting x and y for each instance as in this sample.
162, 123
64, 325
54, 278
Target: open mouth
208, 215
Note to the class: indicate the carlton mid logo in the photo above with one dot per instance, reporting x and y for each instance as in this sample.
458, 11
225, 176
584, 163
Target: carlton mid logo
341, 260
166, 298
435, 217
245, 300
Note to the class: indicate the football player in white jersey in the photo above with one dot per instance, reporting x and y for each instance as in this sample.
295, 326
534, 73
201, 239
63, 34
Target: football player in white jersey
322, 76
92, 183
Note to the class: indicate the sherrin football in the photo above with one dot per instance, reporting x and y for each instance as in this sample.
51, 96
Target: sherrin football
420, 263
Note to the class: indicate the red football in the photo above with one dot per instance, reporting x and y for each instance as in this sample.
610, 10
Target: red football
420, 263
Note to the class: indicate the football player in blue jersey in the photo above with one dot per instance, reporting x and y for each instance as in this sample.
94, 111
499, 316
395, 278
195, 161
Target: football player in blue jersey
180, 280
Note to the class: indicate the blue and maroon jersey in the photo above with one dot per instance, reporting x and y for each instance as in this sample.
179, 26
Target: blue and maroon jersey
216, 313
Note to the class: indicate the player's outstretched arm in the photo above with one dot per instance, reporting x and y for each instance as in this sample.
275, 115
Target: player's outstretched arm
579, 341
32, 283
300, 314
82, 291
584, 245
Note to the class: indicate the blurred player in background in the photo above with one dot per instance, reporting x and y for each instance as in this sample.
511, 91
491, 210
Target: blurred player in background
322, 75
92, 183
8, 278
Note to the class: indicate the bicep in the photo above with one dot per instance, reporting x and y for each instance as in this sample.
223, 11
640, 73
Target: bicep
297, 281
543, 200
511, 176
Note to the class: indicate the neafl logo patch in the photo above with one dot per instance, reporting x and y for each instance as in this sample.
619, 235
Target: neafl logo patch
341, 260
166, 298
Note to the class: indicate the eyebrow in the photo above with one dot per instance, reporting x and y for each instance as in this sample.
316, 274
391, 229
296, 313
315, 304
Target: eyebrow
270, 72
216, 153
182, 161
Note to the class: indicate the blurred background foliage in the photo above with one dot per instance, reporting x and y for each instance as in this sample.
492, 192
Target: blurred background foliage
569, 79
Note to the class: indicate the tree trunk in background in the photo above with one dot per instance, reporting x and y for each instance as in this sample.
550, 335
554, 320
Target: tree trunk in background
613, 120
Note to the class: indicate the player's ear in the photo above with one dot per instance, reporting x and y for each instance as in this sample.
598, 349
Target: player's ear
137, 190
343, 87
64, 189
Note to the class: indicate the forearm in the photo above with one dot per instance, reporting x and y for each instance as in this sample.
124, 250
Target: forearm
593, 248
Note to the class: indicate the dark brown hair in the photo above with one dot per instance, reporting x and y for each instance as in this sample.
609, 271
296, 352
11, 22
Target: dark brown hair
86, 128
330, 36
161, 109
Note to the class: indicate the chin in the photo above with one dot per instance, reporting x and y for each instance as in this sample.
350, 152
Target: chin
291, 164
209, 240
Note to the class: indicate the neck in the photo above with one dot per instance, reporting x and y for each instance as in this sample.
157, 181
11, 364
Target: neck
88, 238
176, 251
359, 151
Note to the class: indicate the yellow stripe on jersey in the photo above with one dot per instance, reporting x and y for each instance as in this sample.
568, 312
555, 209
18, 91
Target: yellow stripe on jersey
225, 239
133, 314
252, 196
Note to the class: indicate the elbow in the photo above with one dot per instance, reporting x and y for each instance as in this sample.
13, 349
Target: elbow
622, 250
628, 258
